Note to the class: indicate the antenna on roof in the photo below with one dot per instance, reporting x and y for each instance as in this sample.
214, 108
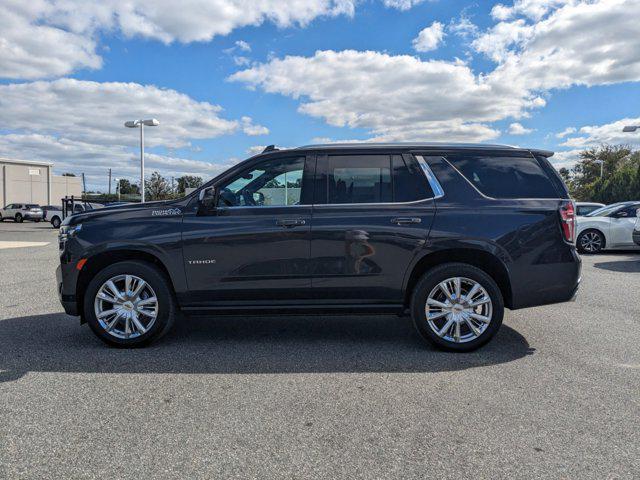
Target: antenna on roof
270, 148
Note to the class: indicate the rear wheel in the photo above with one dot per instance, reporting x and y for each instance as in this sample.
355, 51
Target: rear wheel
457, 307
590, 241
129, 304
18, 218
55, 222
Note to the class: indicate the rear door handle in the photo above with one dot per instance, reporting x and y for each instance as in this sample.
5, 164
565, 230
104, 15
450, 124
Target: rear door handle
405, 220
290, 222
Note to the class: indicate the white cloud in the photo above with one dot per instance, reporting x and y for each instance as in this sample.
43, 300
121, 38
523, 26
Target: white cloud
79, 124
429, 38
517, 129
242, 45
594, 135
580, 43
393, 97
565, 132
43, 38
402, 4
534, 9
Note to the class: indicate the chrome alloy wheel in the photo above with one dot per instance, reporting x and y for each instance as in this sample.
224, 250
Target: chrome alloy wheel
459, 309
126, 306
591, 242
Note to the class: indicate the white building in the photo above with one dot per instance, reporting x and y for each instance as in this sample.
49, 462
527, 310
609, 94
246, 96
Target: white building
23, 181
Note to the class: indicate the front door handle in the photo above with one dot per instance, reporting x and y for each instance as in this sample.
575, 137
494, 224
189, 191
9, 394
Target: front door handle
290, 222
405, 220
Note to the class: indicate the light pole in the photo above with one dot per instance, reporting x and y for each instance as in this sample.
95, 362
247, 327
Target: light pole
152, 122
601, 162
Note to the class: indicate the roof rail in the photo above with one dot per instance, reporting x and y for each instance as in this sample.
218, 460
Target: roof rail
269, 148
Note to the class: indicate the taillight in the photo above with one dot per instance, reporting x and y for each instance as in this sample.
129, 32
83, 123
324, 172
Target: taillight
568, 220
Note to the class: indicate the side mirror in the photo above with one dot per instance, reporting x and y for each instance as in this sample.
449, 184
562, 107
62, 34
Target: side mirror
207, 200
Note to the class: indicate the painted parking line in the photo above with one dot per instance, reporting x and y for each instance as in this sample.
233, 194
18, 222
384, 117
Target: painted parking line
5, 245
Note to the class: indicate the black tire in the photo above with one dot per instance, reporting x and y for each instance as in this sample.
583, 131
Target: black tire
428, 283
590, 241
164, 293
55, 222
18, 218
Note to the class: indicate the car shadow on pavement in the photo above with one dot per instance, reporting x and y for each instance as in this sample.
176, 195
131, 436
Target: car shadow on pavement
232, 345
626, 266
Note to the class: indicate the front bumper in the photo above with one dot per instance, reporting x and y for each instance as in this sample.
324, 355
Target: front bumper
66, 276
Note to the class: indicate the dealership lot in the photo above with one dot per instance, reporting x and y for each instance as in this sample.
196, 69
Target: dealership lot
554, 395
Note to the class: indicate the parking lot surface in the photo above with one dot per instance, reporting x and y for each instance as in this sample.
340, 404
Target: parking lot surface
554, 395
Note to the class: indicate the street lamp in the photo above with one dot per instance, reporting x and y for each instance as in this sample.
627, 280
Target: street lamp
152, 122
601, 162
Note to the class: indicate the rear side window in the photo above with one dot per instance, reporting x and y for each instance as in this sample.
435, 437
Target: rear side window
374, 179
359, 179
505, 177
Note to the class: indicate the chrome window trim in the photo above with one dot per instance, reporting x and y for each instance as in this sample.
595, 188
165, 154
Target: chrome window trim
438, 191
428, 173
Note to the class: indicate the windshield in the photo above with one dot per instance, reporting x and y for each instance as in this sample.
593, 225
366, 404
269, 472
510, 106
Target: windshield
604, 211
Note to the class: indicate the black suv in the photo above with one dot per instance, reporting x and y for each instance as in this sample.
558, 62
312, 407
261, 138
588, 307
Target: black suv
451, 234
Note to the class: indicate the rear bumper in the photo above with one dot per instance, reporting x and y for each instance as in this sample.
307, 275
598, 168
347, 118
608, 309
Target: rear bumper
546, 284
33, 216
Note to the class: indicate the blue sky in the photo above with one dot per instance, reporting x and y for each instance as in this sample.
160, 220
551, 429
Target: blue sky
297, 72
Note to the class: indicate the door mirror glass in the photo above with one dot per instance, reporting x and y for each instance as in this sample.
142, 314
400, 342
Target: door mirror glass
207, 200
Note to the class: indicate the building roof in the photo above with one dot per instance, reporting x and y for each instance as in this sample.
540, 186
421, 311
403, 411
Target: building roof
15, 161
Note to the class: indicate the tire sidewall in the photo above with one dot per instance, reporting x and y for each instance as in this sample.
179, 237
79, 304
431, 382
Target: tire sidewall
54, 221
579, 243
18, 218
155, 278
436, 275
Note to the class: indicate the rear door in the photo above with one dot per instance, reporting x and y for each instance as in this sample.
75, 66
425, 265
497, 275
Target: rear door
371, 215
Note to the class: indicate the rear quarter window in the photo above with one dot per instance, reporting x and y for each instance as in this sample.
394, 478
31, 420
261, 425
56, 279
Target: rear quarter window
505, 177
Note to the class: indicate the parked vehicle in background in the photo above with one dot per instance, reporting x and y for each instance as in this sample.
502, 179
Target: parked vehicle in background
49, 211
452, 234
609, 227
55, 217
636, 230
585, 208
18, 212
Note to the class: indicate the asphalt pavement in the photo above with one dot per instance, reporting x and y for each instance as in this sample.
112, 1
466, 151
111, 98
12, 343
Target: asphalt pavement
555, 395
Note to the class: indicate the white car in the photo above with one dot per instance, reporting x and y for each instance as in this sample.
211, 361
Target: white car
610, 227
585, 208
18, 212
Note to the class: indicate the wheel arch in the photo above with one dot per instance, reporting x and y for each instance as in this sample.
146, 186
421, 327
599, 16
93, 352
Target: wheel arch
481, 259
99, 261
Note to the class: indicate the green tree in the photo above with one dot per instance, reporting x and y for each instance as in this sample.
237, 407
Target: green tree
619, 179
125, 187
188, 181
157, 187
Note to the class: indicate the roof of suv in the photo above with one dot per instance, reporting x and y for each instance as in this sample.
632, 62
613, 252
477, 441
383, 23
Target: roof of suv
421, 146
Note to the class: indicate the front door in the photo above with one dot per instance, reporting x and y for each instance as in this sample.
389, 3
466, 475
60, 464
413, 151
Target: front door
254, 245
371, 216
621, 226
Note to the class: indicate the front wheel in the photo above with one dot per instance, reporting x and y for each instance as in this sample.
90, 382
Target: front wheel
129, 304
457, 307
55, 222
590, 241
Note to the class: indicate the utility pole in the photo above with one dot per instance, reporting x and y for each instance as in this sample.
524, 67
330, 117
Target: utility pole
84, 185
109, 181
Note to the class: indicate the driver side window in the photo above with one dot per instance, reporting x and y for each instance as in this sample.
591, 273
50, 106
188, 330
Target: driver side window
276, 182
